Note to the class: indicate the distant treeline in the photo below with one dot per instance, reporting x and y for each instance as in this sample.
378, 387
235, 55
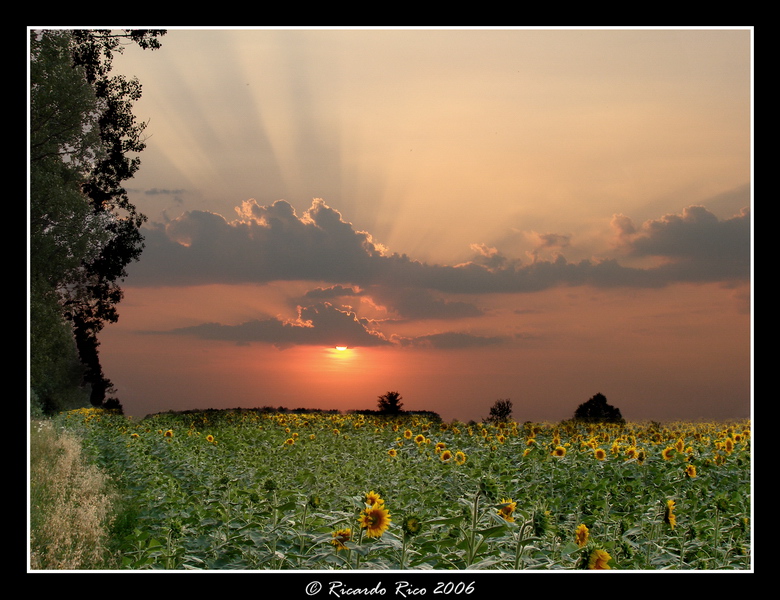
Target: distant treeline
428, 414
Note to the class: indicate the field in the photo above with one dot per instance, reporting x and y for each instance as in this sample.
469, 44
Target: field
254, 490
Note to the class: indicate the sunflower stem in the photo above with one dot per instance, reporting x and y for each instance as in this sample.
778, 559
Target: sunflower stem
472, 550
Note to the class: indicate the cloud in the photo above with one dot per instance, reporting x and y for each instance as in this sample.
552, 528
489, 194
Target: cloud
418, 303
317, 325
273, 243
335, 291
696, 245
451, 340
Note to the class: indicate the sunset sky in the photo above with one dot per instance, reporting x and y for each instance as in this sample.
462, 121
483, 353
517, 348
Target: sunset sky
477, 214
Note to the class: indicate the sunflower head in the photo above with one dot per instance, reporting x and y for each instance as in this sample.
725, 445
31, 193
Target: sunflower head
341, 537
581, 535
506, 509
375, 520
599, 560
669, 516
372, 498
559, 451
460, 458
412, 525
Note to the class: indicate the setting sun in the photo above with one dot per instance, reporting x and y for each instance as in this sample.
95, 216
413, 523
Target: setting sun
341, 348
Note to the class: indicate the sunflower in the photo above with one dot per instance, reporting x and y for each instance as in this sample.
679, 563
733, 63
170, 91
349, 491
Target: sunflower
581, 535
445, 456
690, 471
506, 508
408, 434
169, 433
392, 453
559, 451
210, 439
411, 525
372, 498
419, 438
375, 520
668, 453
631, 452
290, 441
460, 458
341, 537
439, 447
669, 516
599, 560
600, 454
134, 435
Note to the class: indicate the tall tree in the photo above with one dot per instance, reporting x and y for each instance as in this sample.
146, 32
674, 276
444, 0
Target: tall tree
84, 230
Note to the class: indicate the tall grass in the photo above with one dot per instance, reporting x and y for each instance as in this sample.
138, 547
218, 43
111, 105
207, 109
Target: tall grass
70, 504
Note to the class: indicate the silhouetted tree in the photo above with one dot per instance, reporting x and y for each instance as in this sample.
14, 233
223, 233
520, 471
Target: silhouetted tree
84, 230
596, 410
390, 403
501, 411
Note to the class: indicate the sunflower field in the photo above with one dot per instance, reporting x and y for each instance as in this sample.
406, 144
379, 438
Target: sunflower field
253, 490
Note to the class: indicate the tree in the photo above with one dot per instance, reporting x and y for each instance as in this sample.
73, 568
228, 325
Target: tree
390, 403
596, 410
84, 230
501, 411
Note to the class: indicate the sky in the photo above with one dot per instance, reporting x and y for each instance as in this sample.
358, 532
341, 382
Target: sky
474, 214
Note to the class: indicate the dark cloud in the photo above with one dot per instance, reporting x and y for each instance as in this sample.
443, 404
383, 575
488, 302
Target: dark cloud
452, 340
273, 243
166, 192
418, 303
335, 291
316, 325
697, 245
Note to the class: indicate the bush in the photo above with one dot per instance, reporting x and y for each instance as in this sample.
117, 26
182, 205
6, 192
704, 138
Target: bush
596, 410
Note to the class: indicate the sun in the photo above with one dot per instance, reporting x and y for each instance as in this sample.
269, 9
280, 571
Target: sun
341, 348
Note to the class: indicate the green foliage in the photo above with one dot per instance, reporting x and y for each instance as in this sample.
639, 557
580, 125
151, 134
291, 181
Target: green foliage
83, 229
259, 490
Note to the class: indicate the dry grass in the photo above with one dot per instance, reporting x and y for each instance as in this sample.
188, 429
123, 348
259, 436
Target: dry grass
70, 504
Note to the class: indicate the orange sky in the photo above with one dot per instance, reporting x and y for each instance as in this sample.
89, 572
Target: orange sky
538, 215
